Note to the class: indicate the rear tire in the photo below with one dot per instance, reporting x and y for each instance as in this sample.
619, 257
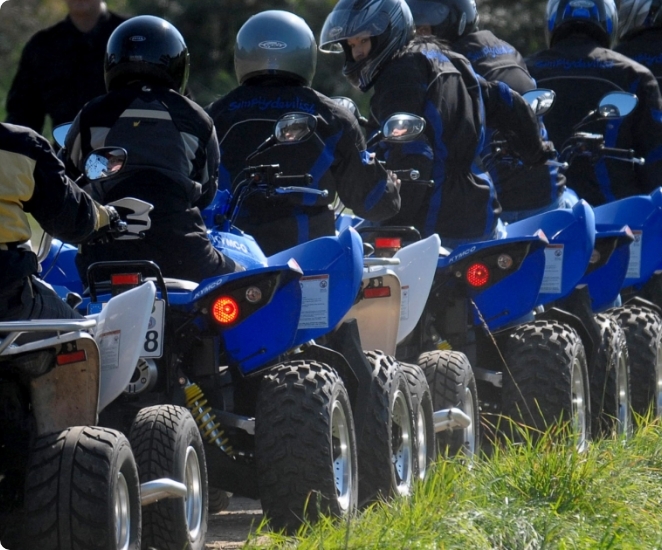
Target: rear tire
643, 332
451, 380
167, 444
421, 401
82, 491
386, 446
546, 379
305, 445
610, 381
219, 500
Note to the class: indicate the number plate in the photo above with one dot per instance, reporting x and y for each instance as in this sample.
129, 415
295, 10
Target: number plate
153, 344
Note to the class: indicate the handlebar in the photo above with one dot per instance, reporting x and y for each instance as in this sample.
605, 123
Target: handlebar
412, 176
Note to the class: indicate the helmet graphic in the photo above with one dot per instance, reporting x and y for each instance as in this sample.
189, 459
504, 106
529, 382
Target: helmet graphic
637, 15
597, 18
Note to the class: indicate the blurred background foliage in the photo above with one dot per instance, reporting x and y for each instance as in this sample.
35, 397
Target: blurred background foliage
210, 26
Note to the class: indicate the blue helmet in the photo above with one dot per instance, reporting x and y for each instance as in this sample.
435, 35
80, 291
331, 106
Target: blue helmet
597, 18
388, 23
448, 19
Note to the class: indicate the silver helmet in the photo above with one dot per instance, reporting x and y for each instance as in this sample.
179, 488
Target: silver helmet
275, 42
637, 15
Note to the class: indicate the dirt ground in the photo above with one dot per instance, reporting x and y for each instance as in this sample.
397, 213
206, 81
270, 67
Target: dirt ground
229, 529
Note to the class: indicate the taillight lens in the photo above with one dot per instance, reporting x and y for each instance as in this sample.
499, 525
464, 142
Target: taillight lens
71, 357
388, 242
478, 275
225, 310
125, 279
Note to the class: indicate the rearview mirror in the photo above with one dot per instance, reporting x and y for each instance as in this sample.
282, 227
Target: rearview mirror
540, 100
617, 104
403, 127
104, 162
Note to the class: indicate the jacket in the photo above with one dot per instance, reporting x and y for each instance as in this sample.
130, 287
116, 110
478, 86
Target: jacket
426, 78
334, 156
518, 187
645, 47
579, 63
172, 163
33, 181
61, 69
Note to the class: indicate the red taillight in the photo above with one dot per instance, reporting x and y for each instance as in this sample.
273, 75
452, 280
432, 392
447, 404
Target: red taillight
225, 310
125, 279
72, 357
478, 275
378, 292
388, 242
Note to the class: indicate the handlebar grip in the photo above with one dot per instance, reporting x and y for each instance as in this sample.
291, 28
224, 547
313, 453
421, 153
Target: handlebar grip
621, 153
302, 180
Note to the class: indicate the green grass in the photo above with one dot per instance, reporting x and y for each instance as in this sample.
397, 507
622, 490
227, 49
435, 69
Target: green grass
541, 494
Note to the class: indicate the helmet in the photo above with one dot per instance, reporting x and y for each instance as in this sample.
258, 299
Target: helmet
597, 18
449, 19
388, 23
636, 15
146, 48
275, 42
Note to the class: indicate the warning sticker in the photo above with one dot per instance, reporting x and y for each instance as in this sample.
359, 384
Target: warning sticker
634, 267
552, 279
109, 349
404, 303
314, 302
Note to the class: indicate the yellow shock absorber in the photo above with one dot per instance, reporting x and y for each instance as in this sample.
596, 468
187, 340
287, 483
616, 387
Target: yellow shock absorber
210, 430
444, 345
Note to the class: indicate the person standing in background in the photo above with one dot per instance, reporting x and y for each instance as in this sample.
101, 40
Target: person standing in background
61, 67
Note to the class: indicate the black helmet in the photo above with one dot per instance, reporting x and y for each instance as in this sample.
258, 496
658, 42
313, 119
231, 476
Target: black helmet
448, 19
275, 42
388, 23
637, 15
146, 48
597, 18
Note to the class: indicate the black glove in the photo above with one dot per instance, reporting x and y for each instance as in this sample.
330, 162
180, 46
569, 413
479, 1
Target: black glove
116, 226
545, 152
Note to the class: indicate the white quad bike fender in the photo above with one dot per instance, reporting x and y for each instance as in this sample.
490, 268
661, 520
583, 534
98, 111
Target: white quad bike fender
120, 334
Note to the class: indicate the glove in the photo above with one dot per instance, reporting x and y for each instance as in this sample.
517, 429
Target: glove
545, 152
116, 226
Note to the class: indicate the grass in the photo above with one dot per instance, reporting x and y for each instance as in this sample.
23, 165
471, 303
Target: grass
537, 494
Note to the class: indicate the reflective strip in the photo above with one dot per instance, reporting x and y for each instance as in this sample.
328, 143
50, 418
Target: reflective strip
146, 113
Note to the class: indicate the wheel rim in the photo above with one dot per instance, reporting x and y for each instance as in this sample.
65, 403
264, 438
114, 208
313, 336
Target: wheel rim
470, 432
193, 502
579, 419
342, 461
623, 416
402, 443
421, 437
658, 382
122, 503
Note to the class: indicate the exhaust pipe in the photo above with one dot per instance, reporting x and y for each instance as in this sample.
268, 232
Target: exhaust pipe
450, 419
152, 491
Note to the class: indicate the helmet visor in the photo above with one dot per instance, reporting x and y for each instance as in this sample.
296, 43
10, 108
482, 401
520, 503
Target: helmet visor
343, 24
428, 13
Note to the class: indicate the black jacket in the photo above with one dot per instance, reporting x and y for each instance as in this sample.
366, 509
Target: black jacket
172, 163
61, 69
518, 187
334, 156
429, 80
32, 181
645, 47
581, 72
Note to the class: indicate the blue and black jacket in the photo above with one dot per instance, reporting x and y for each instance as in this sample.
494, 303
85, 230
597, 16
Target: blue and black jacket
334, 156
428, 79
645, 47
518, 187
581, 72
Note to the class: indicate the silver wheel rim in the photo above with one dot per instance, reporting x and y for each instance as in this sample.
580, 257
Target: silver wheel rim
421, 438
342, 461
578, 396
122, 502
193, 501
658, 382
623, 416
402, 443
470, 432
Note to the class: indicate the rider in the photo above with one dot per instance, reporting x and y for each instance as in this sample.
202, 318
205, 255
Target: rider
32, 181
579, 59
522, 191
273, 81
424, 77
172, 160
640, 33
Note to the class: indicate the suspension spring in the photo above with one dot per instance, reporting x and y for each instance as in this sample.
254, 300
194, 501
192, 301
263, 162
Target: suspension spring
210, 430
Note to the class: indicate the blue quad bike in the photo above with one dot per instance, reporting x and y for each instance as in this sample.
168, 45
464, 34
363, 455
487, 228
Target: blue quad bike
255, 355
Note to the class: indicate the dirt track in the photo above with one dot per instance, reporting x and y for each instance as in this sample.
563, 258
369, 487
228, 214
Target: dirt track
229, 529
